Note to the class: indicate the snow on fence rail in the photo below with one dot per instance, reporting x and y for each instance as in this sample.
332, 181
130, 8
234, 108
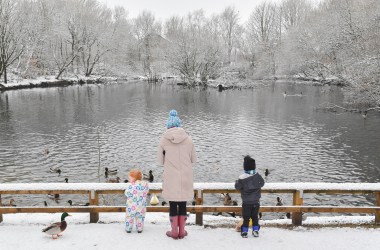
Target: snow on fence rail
93, 190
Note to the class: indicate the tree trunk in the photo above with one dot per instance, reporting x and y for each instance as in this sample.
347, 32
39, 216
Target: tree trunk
5, 75
59, 74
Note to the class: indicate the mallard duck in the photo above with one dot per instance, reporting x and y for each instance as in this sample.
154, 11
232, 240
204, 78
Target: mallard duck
53, 196
110, 172
55, 170
266, 172
154, 200
279, 202
67, 180
149, 177
233, 214
82, 205
10, 204
365, 114
227, 199
194, 201
117, 180
46, 151
57, 227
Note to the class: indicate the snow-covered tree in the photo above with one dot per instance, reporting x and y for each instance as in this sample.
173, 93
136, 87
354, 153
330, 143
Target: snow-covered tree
294, 13
193, 52
147, 32
120, 42
262, 35
12, 39
229, 25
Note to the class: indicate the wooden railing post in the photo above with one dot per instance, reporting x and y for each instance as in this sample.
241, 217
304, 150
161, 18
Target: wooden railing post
377, 214
297, 201
1, 215
94, 201
199, 201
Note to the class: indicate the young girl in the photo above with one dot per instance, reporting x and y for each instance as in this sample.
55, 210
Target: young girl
136, 192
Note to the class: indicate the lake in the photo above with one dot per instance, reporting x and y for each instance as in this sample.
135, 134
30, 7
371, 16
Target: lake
68, 127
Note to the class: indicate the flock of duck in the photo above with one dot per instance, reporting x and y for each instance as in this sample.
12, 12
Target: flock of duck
148, 177
55, 229
107, 173
227, 201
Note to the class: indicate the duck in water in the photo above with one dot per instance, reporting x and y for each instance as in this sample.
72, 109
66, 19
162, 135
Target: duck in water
266, 172
365, 114
83, 205
279, 202
56, 170
110, 172
10, 204
227, 199
149, 177
54, 196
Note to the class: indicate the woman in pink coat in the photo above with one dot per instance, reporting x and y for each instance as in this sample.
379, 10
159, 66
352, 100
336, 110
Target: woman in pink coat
177, 153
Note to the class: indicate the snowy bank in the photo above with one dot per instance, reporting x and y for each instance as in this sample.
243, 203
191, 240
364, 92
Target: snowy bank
50, 81
23, 231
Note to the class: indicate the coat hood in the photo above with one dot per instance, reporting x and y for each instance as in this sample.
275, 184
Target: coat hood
176, 135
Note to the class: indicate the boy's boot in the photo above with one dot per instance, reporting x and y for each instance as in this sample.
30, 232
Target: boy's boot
181, 225
244, 232
174, 224
255, 231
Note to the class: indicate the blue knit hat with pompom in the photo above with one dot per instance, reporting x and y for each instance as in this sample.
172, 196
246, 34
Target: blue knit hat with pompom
173, 120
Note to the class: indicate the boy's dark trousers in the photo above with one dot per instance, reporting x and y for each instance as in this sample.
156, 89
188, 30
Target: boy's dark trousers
250, 211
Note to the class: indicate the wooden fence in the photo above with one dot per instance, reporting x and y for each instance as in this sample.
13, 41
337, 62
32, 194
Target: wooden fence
298, 190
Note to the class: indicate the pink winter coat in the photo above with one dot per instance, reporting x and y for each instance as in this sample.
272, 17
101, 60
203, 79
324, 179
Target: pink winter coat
177, 153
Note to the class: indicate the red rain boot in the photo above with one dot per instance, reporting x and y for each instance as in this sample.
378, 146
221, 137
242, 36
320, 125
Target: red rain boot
174, 223
181, 224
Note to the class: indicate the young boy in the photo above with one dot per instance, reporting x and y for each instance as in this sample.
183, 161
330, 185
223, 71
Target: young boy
136, 192
250, 184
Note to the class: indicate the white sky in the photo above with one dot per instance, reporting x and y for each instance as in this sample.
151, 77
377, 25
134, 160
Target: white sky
166, 8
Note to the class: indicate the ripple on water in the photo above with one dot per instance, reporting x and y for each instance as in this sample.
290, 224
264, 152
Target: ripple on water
126, 121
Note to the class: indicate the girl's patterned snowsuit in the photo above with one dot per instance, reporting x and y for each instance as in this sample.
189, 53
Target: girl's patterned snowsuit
136, 205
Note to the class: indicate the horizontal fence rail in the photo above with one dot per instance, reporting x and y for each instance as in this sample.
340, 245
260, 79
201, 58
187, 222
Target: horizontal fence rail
93, 190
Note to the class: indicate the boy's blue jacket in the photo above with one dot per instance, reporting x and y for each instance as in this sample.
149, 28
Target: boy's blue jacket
250, 187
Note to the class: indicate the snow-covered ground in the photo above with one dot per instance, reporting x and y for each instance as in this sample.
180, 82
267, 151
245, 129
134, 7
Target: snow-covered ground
19, 81
44, 81
23, 231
